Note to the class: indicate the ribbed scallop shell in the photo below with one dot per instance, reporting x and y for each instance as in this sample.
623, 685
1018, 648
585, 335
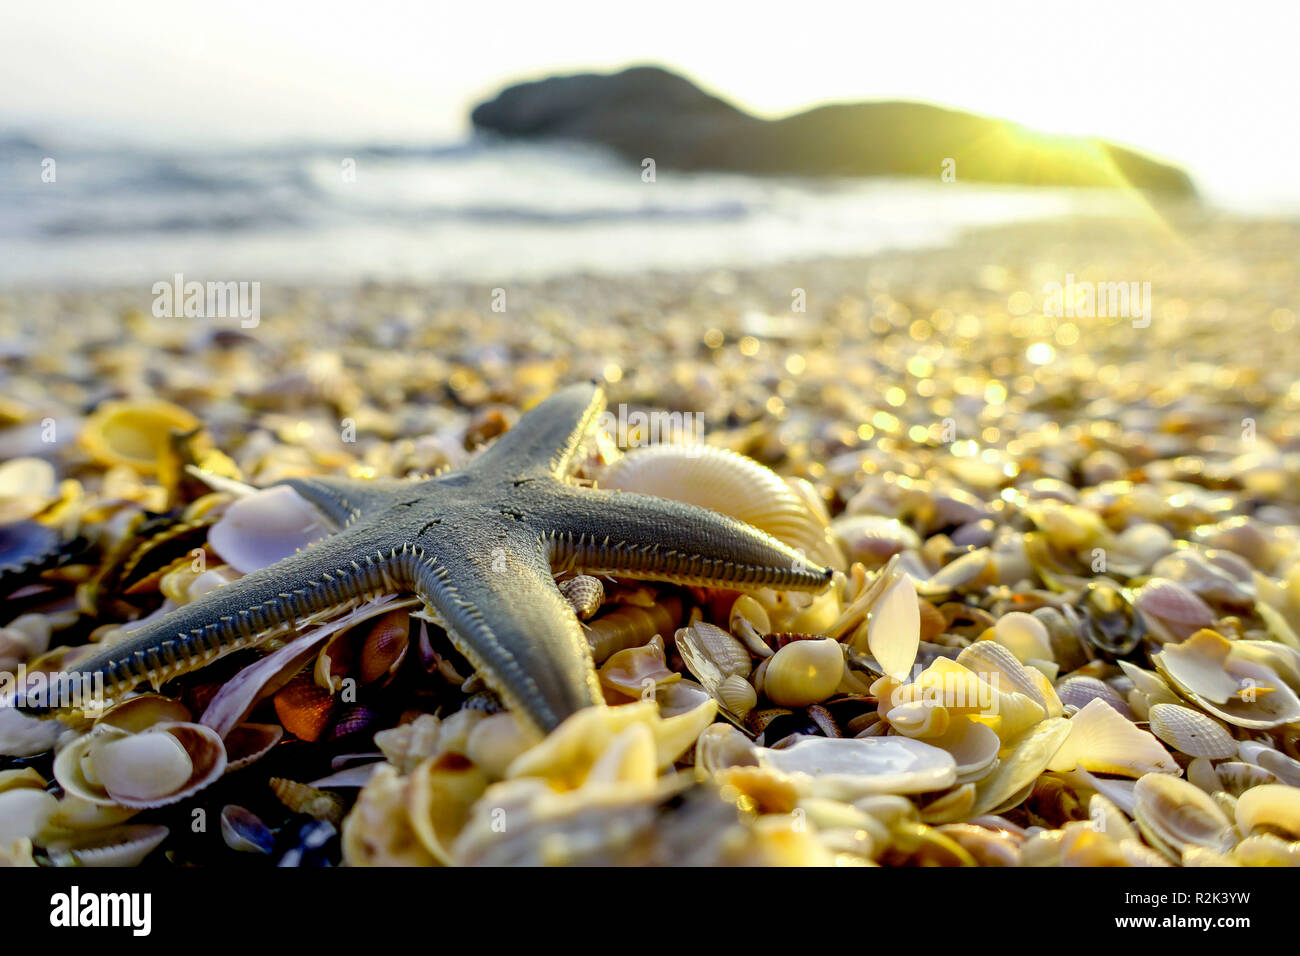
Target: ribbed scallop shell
737, 695
728, 483
1080, 691
116, 847
1191, 732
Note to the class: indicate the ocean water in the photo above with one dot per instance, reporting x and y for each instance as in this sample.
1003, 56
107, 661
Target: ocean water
479, 211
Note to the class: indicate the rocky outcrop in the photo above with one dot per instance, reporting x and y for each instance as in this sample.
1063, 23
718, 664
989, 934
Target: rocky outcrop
650, 112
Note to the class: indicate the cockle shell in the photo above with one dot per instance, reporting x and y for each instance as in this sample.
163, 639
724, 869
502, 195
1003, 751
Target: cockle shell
1173, 814
712, 655
115, 847
265, 527
804, 672
728, 483
1171, 611
1191, 732
850, 768
999, 667
737, 695
162, 765
1103, 741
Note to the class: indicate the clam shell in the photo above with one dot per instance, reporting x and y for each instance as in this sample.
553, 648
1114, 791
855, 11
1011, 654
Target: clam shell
159, 766
1191, 732
1236, 777
116, 847
135, 433
873, 539
1271, 808
1285, 768
894, 628
1204, 669
804, 672
974, 747
244, 831
1103, 741
1017, 771
728, 483
850, 768
265, 527
1023, 635
1173, 815
249, 743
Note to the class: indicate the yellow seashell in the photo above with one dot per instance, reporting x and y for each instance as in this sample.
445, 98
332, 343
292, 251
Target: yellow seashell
804, 672
136, 433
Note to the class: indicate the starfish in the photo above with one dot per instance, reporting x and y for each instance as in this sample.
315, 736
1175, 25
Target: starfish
478, 546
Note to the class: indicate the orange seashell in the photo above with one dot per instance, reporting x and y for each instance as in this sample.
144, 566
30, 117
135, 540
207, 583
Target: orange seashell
303, 708
385, 647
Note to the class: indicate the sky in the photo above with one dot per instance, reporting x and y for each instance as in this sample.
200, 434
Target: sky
1208, 85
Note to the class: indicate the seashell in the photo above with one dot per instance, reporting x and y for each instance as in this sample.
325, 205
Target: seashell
585, 594
973, 746
1112, 625
1227, 685
378, 831
568, 753
121, 846
244, 831
731, 484
352, 719
894, 628
387, 640
441, 794
1191, 732
951, 806
497, 740
637, 670
248, 743
749, 621
1171, 611
1242, 535
987, 847
999, 667
136, 433
1118, 792
1103, 741
141, 712
1069, 649
919, 719
306, 799
1024, 636
737, 695
850, 768
873, 539
1173, 815
721, 746
1263, 849
711, 655
159, 766
804, 672
679, 697
1236, 777
407, 745
1014, 776
265, 527
1274, 761
1150, 684
24, 813
1107, 818
631, 626
970, 572
1078, 692
304, 709
24, 736
1203, 577
27, 487
26, 547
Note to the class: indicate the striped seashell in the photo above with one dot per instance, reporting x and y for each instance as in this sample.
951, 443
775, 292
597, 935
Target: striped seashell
585, 595
1080, 691
1171, 611
306, 799
1173, 815
728, 483
1191, 732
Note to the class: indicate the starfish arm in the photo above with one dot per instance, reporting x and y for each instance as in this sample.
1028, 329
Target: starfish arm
344, 500
548, 441
249, 610
496, 596
638, 536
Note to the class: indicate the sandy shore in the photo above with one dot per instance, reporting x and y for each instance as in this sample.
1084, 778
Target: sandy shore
895, 357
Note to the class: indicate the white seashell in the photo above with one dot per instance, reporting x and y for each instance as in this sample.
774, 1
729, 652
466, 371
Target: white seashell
919, 718
956, 574
722, 746
24, 812
973, 746
1171, 611
804, 672
25, 736
737, 695
143, 767
1227, 685
851, 768
894, 628
1103, 741
728, 483
999, 667
1118, 792
679, 697
265, 527
1024, 636
1274, 761
1174, 814
162, 765
1191, 732
1236, 777
873, 539
1014, 777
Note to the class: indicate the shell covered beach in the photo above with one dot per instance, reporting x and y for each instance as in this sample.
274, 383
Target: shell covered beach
1063, 627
